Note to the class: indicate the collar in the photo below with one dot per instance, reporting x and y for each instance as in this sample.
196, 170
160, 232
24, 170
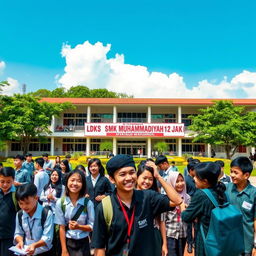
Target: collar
12, 189
246, 190
37, 214
135, 198
95, 179
67, 201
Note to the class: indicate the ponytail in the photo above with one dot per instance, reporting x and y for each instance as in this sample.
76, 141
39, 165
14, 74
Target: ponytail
220, 191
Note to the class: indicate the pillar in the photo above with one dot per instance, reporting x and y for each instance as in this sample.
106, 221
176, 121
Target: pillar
149, 114
6, 149
179, 115
209, 148
52, 146
179, 146
253, 150
114, 146
88, 114
114, 114
53, 125
88, 146
149, 148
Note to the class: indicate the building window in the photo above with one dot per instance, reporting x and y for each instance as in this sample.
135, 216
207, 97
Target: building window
77, 119
15, 146
102, 118
163, 118
186, 120
131, 117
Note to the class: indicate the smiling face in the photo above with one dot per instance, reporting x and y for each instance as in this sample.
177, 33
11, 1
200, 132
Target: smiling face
180, 184
54, 177
5, 183
17, 163
94, 169
74, 183
145, 180
28, 204
237, 176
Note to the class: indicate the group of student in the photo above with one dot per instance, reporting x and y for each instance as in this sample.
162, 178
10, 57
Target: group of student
54, 210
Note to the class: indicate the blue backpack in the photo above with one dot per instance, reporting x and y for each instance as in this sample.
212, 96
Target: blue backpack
225, 234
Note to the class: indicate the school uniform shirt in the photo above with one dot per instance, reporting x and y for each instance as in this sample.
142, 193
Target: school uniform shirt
190, 184
41, 179
86, 218
22, 176
245, 201
33, 231
51, 203
48, 164
165, 175
174, 169
7, 214
99, 186
29, 166
148, 205
225, 179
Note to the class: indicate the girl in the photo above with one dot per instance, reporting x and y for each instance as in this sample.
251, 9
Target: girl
53, 190
176, 229
146, 180
97, 185
200, 208
81, 168
75, 215
64, 165
57, 163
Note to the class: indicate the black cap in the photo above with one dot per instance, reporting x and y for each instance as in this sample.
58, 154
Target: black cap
118, 162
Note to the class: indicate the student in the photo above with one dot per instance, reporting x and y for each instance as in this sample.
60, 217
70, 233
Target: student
74, 226
48, 165
243, 195
87, 168
174, 168
223, 177
53, 190
68, 158
185, 171
8, 209
64, 170
29, 230
81, 168
1, 165
176, 229
22, 175
200, 208
29, 164
146, 180
57, 163
131, 208
97, 185
41, 178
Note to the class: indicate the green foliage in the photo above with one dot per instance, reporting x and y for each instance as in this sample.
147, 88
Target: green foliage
79, 92
225, 124
23, 117
161, 147
3, 83
76, 155
106, 145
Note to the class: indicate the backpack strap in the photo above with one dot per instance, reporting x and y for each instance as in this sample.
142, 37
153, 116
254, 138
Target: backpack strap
20, 213
107, 210
44, 215
15, 201
210, 196
82, 208
62, 205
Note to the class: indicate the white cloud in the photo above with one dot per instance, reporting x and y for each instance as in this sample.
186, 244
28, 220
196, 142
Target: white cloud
2, 66
14, 87
88, 64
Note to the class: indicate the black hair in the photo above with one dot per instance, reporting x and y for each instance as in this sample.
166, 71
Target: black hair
150, 160
1, 164
26, 190
111, 155
68, 156
28, 154
45, 154
211, 172
243, 163
98, 162
142, 162
57, 186
141, 169
220, 162
21, 157
65, 162
7, 172
173, 162
190, 159
191, 165
40, 161
82, 192
161, 159
80, 167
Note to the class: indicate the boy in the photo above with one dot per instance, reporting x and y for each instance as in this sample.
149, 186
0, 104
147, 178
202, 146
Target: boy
48, 165
7, 210
174, 168
22, 175
223, 177
243, 195
29, 164
31, 233
131, 230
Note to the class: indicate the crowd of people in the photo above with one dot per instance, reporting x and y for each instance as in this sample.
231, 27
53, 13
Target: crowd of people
48, 208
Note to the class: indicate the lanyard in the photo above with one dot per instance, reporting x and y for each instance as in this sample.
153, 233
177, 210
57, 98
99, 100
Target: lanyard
31, 228
128, 221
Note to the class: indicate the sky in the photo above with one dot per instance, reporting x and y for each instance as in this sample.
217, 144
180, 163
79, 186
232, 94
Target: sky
163, 49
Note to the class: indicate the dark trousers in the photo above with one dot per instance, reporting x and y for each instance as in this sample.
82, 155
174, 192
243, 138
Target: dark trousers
190, 237
48, 253
176, 247
78, 247
5, 244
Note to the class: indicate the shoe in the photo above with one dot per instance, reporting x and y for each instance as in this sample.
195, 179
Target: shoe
190, 248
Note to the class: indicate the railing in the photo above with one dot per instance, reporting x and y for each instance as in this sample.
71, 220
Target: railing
131, 120
68, 128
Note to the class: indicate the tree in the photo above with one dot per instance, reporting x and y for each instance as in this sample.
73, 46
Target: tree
59, 93
23, 117
161, 147
225, 124
106, 145
78, 92
3, 84
41, 93
102, 93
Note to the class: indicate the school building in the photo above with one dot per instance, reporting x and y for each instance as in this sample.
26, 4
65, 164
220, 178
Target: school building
133, 125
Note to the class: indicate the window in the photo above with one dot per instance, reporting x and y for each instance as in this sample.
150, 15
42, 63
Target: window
15, 146
186, 120
77, 119
131, 117
101, 118
164, 118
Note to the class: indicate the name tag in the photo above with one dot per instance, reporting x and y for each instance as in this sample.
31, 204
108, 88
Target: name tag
142, 223
247, 205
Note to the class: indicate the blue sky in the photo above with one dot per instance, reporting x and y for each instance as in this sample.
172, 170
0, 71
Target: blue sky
196, 39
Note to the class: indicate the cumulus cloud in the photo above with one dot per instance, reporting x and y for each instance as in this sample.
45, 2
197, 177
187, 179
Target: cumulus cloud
88, 64
2, 67
13, 87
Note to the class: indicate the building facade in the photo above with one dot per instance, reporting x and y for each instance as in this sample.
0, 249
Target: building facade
133, 125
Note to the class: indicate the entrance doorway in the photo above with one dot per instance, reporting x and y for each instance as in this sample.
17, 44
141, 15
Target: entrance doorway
135, 148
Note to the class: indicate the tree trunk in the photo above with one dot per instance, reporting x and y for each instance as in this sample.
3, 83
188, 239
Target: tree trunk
228, 150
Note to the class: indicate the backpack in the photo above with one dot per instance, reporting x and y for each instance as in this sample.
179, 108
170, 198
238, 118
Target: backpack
107, 210
225, 234
14, 200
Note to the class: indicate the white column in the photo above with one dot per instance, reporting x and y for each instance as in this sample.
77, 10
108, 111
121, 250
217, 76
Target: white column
253, 150
88, 146
209, 148
149, 148
6, 149
114, 146
114, 114
149, 114
52, 146
88, 114
53, 124
179, 146
179, 114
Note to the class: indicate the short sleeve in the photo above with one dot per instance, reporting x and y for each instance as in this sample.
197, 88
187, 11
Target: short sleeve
59, 215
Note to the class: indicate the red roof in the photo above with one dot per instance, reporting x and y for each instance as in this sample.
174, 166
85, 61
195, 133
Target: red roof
144, 101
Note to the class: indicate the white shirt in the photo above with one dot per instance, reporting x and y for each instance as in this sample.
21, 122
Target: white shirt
94, 180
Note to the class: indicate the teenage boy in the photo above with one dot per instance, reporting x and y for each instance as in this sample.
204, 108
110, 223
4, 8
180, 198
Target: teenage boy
48, 165
22, 175
29, 164
41, 178
131, 230
223, 177
29, 230
243, 195
173, 167
8, 209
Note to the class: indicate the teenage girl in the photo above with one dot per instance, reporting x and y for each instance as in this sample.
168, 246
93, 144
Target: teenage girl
176, 229
146, 180
57, 163
97, 185
74, 234
200, 208
65, 170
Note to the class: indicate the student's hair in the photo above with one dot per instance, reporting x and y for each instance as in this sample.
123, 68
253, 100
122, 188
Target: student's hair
141, 169
150, 160
65, 162
57, 157
45, 155
21, 157
82, 192
243, 163
173, 162
40, 161
220, 162
28, 154
26, 190
111, 155
80, 167
142, 162
7, 172
1, 165
191, 165
161, 159
57, 185
68, 156
190, 159
98, 162
211, 172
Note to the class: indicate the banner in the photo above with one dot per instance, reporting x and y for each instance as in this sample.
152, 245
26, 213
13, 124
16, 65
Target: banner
134, 129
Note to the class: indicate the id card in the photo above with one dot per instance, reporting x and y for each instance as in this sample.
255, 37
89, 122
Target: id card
125, 250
